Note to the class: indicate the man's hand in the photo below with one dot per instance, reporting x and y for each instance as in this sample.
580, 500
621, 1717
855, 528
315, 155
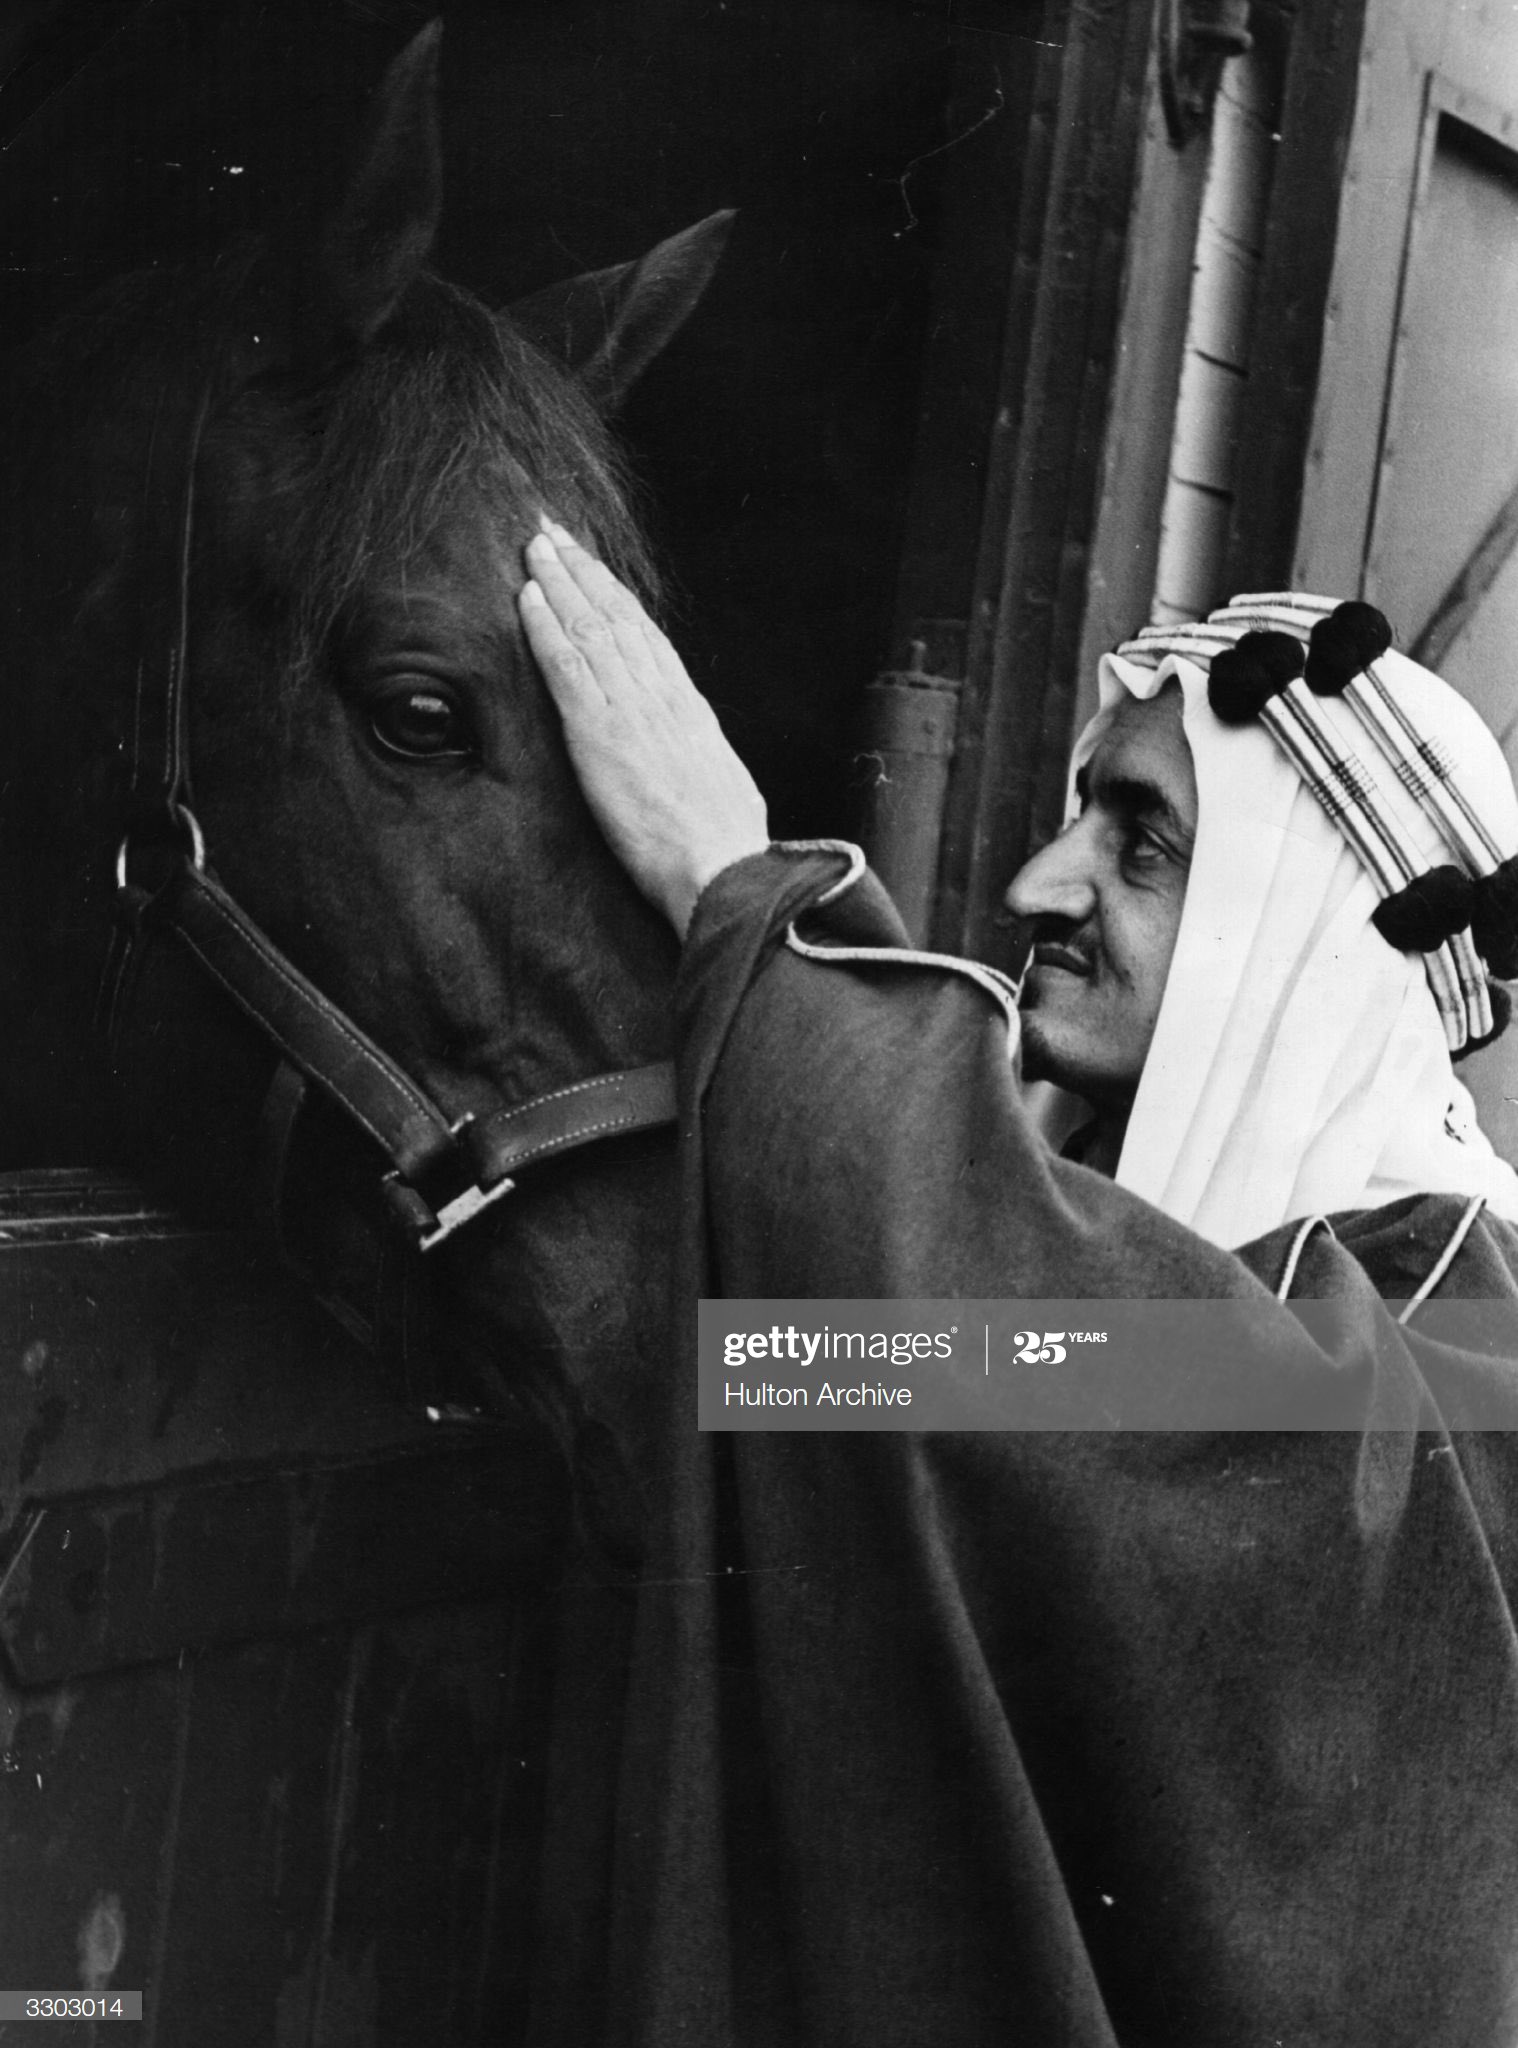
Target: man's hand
673, 799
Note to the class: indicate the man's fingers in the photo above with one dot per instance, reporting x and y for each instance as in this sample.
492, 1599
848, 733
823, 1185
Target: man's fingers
597, 615
675, 803
571, 680
602, 639
633, 630
610, 597
578, 617
672, 670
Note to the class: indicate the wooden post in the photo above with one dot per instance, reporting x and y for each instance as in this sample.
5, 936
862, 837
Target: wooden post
1006, 57
1043, 471
1291, 305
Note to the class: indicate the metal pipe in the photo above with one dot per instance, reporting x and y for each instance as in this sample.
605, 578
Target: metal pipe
1199, 493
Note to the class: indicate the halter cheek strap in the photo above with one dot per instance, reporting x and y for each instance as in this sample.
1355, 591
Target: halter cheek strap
440, 1172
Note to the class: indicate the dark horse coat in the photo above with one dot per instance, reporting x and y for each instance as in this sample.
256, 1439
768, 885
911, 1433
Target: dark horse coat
1060, 1739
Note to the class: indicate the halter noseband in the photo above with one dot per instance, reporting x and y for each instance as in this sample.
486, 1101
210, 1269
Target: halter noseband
442, 1172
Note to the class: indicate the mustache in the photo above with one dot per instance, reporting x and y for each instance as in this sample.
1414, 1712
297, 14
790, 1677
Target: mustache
1057, 943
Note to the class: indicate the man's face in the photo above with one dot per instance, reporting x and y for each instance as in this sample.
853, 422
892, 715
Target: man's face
1105, 902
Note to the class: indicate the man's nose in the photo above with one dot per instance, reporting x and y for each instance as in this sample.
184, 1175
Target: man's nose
1056, 882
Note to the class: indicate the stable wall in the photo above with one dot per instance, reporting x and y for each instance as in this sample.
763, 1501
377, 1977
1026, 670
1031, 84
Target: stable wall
1410, 491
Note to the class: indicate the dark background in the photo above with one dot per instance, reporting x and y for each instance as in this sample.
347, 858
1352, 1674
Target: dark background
775, 437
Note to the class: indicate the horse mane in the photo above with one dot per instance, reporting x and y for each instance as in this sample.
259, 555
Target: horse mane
368, 453
448, 402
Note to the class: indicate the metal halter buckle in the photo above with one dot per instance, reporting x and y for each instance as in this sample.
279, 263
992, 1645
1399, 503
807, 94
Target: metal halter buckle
461, 1210
428, 1227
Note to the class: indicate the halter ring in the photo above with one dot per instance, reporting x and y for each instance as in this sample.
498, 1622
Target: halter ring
184, 817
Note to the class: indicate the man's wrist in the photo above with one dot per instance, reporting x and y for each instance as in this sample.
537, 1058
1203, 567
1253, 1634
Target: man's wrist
680, 899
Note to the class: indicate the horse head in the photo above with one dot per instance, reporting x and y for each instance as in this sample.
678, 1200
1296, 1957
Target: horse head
303, 482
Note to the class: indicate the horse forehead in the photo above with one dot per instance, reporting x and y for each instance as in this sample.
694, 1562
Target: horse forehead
467, 575
478, 550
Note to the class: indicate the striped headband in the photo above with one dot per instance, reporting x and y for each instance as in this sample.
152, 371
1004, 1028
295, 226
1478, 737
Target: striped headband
1272, 657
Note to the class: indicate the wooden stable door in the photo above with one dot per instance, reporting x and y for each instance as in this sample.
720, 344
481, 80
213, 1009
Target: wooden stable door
1411, 494
1442, 537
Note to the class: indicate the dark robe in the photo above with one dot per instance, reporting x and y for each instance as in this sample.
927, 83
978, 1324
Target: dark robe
1065, 1740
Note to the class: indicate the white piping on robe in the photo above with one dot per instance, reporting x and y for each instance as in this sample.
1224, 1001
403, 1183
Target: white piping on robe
1000, 987
1446, 1258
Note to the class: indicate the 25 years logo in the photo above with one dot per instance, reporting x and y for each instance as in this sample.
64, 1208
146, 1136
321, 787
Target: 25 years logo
1047, 1347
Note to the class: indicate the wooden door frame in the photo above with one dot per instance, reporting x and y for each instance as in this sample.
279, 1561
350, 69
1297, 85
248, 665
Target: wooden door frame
1012, 640
1043, 468
1443, 99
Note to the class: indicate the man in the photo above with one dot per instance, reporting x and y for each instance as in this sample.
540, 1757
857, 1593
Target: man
1079, 1739
1105, 901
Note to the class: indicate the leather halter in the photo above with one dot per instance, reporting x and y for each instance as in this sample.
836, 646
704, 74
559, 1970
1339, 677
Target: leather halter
441, 1172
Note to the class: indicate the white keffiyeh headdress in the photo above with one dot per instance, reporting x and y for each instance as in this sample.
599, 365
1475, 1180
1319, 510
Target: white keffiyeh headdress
1351, 882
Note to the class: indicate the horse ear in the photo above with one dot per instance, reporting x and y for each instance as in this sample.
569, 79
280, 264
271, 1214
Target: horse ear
608, 325
380, 233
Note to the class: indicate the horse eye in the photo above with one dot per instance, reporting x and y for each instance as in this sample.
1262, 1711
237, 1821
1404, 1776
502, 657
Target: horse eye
420, 725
